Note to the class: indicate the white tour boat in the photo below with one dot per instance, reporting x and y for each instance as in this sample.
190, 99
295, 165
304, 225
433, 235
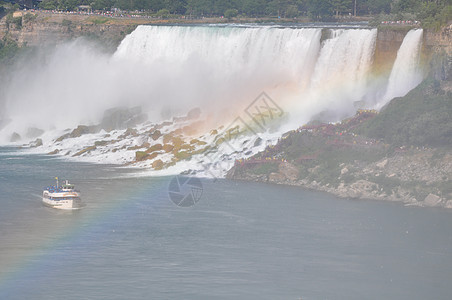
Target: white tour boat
62, 197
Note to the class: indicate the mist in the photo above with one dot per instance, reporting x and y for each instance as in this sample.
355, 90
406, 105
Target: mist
168, 70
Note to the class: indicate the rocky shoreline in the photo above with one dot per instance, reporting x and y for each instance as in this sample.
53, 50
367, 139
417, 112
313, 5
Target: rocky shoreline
355, 185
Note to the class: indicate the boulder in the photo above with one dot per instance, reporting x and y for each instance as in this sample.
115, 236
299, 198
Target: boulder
56, 151
36, 143
157, 164
155, 134
153, 148
140, 155
432, 200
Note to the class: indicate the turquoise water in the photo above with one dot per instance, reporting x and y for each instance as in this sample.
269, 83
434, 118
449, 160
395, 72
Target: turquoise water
240, 241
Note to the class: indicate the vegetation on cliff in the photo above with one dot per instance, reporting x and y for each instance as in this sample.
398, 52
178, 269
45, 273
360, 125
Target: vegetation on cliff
422, 118
400, 154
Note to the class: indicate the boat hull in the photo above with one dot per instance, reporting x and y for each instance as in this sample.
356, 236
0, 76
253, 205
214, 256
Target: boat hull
63, 204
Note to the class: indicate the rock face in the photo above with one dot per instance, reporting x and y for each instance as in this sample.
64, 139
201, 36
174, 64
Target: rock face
48, 28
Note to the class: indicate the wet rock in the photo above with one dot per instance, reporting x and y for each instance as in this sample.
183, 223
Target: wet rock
56, 151
167, 148
257, 142
36, 143
155, 134
153, 148
157, 164
87, 149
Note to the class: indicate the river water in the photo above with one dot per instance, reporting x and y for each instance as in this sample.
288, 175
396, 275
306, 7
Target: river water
240, 241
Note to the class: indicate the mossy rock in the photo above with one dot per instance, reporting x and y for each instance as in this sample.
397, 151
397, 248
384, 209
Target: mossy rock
177, 142
152, 155
181, 155
167, 138
157, 164
140, 155
153, 148
198, 142
187, 147
168, 148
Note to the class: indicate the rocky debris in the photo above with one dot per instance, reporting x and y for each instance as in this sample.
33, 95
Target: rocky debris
404, 177
288, 170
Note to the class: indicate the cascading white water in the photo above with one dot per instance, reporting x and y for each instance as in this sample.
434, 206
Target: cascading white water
218, 68
405, 74
249, 60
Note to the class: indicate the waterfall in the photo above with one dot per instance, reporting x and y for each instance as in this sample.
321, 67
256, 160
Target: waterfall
320, 74
405, 74
309, 72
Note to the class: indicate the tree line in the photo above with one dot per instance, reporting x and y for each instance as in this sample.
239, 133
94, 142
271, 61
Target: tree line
316, 9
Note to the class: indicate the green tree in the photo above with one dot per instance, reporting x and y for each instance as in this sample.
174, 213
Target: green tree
163, 13
320, 9
176, 6
379, 6
231, 13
